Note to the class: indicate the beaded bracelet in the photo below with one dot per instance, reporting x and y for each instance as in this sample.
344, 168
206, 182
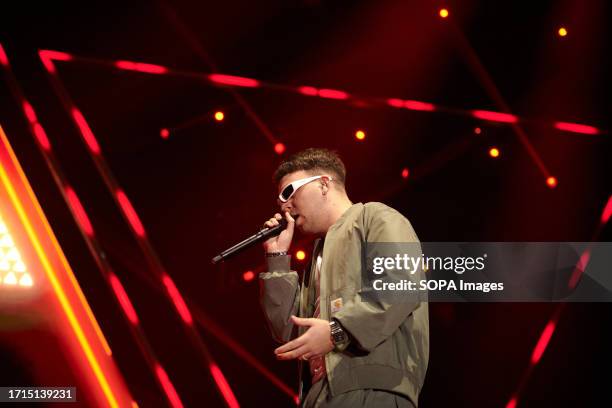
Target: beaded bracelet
275, 254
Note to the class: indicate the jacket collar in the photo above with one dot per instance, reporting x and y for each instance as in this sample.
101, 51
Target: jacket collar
353, 209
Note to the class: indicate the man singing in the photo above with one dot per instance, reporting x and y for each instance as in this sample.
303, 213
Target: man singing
352, 352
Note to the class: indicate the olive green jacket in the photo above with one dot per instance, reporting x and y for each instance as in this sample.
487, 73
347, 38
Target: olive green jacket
389, 347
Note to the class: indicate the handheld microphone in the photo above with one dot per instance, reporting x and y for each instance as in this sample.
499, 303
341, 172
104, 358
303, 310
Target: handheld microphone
262, 235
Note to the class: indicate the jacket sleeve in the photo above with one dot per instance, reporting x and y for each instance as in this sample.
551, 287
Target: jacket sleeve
279, 297
371, 320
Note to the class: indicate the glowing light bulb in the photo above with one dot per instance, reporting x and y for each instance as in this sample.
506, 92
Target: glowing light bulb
10, 279
279, 148
26, 280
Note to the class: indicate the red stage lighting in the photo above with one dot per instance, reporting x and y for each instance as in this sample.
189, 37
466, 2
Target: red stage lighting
80, 213
29, 112
607, 212
223, 385
55, 55
360, 135
562, 32
141, 67
308, 90
495, 116
47, 57
443, 13
124, 300
405, 173
177, 299
511, 403
219, 116
577, 128
248, 276
130, 213
164, 133
419, 106
3, 58
233, 80
40, 134
396, 103
543, 342
332, 94
169, 389
88, 135
279, 148
494, 152
552, 182
477, 130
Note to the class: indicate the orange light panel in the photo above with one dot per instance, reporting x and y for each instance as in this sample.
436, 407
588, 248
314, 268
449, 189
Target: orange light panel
32, 258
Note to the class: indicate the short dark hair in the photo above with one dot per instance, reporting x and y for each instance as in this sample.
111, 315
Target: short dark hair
311, 160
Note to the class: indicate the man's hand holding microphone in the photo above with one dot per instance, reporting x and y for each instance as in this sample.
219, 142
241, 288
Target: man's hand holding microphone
316, 341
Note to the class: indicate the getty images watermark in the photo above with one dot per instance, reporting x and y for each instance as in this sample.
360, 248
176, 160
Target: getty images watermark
487, 271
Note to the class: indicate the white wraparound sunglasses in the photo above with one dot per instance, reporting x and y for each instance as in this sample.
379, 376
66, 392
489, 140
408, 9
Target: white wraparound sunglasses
291, 188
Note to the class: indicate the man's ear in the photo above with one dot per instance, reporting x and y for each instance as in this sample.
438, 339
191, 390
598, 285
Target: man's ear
324, 185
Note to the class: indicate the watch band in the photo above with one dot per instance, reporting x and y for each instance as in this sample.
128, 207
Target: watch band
338, 335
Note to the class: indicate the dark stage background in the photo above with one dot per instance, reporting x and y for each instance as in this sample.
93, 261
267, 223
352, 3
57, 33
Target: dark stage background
209, 184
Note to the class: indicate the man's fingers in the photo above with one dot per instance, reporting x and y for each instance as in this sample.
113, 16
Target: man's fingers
288, 217
290, 223
290, 355
300, 321
293, 344
273, 221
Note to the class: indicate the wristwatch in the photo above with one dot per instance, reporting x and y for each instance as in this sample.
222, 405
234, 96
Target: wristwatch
338, 335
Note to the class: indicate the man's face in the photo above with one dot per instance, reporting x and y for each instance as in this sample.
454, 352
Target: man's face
307, 202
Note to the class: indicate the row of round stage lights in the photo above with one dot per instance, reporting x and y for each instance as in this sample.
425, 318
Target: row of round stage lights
219, 116
360, 136
444, 13
494, 152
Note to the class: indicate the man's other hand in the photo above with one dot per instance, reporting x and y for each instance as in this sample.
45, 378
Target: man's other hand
315, 342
